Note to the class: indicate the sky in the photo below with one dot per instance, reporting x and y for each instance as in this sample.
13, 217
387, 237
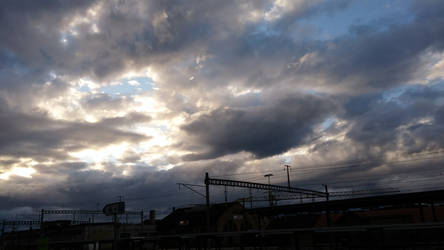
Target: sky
101, 99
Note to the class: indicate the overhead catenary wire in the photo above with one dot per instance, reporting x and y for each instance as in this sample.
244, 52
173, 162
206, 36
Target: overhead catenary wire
395, 179
398, 162
342, 165
346, 181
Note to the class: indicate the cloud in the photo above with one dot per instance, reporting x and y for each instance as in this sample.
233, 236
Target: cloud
145, 188
36, 135
371, 57
380, 56
128, 120
156, 33
24, 21
263, 131
236, 86
407, 122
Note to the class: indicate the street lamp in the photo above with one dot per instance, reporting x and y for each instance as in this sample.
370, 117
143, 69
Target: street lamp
268, 175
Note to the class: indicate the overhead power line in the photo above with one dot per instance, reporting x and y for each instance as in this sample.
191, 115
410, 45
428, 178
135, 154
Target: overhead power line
344, 164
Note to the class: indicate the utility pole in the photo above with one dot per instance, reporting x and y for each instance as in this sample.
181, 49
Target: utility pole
326, 192
251, 198
327, 210
42, 213
270, 196
141, 220
288, 174
207, 190
207, 198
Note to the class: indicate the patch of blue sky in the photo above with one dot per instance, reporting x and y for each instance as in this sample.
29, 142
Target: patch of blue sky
263, 28
438, 85
328, 122
396, 94
392, 94
129, 86
10, 63
84, 88
333, 24
310, 92
285, 159
162, 128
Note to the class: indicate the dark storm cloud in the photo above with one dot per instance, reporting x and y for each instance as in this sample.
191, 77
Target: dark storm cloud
146, 188
36, 135
407, 123
29, 30
138, 189
21, 87
371, 57
63, 168
134, 35
384, 59
382, 55
140, 33
390, 141
263, 131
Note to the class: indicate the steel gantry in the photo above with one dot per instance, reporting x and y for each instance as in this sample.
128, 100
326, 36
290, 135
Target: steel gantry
245, 184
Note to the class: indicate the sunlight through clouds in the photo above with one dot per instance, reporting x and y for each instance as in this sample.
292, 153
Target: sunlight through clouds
149, 93
18, 171
24, 168
109, 153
